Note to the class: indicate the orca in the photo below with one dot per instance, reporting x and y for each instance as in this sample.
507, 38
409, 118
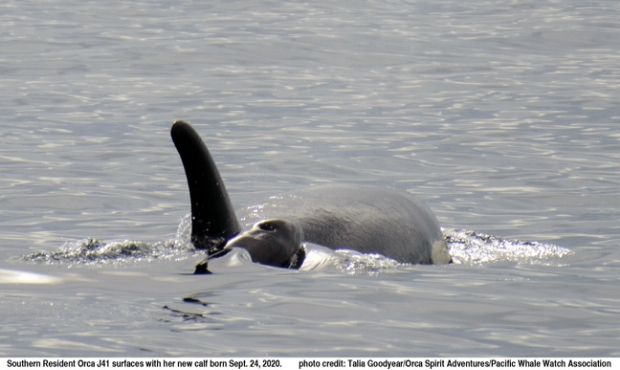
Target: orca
367, 219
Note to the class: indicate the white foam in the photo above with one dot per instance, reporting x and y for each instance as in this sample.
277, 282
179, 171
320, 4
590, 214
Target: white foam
471, 247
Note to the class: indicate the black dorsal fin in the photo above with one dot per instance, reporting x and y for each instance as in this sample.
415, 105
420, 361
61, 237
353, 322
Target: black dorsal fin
213, 218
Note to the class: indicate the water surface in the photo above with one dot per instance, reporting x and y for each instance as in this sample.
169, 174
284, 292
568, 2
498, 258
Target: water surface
502, 116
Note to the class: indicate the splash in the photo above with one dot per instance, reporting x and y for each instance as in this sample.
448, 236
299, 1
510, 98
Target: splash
93, 251
471, 247
465, 247
353, 262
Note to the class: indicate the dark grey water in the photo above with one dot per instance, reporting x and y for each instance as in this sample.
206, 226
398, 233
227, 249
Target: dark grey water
502, 116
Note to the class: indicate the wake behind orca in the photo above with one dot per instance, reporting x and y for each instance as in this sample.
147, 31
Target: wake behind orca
366, 219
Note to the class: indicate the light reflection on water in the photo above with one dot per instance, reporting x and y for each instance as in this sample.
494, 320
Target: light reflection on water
503, 118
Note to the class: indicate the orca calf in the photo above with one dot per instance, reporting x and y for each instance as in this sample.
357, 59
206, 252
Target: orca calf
366, 219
